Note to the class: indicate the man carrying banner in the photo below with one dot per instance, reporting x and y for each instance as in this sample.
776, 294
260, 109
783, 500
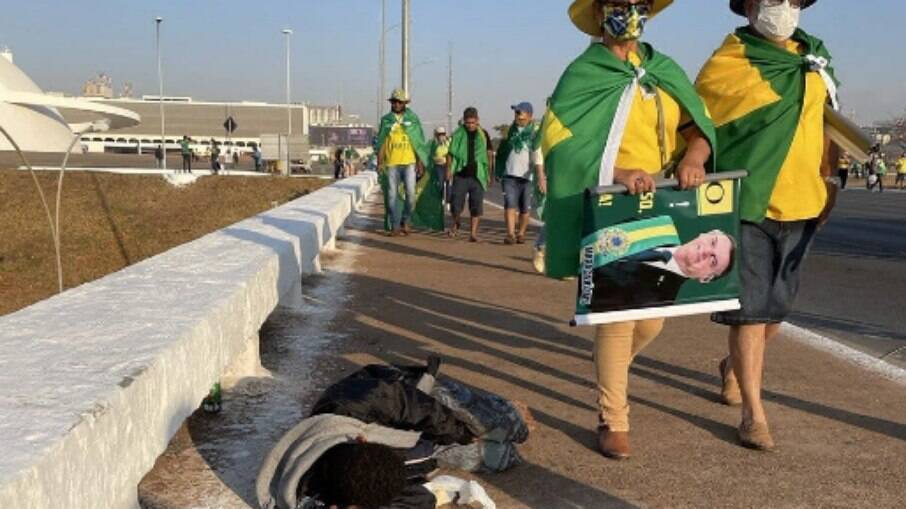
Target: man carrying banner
517, 161
766, 89
469, 169
402, 153
614, 118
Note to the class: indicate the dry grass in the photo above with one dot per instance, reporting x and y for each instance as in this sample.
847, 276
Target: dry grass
111, 221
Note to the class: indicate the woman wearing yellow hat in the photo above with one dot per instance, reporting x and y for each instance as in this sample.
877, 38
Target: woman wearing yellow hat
614, 118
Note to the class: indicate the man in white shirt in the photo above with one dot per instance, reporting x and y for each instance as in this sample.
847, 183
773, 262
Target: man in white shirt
517, 158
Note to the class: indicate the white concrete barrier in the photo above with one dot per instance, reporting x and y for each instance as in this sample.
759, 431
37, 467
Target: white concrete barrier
94, 382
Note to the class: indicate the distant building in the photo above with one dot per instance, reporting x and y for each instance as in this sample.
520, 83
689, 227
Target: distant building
203, 121
99, 86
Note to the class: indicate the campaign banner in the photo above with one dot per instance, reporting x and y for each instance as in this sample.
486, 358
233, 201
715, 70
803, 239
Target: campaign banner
660, 254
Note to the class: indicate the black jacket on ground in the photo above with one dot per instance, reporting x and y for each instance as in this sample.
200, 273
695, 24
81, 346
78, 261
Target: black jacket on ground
387, 395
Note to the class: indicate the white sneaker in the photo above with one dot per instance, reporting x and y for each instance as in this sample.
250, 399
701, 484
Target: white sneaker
538, 260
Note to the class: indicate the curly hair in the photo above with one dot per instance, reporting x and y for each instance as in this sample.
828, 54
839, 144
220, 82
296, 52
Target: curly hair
365, 475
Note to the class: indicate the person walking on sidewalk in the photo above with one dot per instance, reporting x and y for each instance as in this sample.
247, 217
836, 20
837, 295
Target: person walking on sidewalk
517, 160
843, 170
186, 150
470, 171
615, 117
338, 163
901, 172
880, 167
440, 148
766, 88
215, 157
159, 156
402, 153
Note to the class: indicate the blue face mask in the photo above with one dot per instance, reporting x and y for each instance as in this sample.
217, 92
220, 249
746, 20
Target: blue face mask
625, 22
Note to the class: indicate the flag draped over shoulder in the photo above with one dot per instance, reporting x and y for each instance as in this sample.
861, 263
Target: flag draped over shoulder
459, 152
413, 127
755, 93
517, 140
428, 211
583, 129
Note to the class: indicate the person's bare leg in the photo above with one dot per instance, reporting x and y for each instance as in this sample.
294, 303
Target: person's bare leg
747, 355
510, 215
523, 225
731, 391
474, 234
454, 228
747, 345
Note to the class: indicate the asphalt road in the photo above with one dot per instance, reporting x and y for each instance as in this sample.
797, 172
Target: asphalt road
854, 281
854, 284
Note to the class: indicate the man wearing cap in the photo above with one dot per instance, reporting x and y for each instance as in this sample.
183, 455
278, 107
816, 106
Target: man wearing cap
517, 160
615, 117
440, 147
767, 87
402, 153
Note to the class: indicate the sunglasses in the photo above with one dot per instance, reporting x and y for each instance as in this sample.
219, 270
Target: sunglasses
643, 7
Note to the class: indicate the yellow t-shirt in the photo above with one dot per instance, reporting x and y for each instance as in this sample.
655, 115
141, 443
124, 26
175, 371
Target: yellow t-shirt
800, 192
441, 151
640, 148
398, 150
901, 165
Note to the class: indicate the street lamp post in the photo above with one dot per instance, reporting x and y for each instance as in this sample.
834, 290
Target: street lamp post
381, 59
160, 95
405, 34
289, 111
450, 92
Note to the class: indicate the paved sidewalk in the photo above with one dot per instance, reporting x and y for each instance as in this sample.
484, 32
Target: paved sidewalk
841, 432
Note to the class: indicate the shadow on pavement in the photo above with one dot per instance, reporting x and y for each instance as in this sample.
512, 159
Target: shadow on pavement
882, 426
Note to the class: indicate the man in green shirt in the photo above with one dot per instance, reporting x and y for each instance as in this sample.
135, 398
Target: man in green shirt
186, 154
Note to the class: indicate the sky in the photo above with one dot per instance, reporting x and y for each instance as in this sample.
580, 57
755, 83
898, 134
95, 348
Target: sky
504, 51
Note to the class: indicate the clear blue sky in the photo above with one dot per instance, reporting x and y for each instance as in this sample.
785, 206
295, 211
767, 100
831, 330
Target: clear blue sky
505, 50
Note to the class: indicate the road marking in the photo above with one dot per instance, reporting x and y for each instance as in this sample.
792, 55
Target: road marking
849, 354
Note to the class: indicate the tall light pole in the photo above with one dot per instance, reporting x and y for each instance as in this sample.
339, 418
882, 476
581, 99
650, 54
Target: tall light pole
382, 48
160, 94
405, 66
289, 110
450, 92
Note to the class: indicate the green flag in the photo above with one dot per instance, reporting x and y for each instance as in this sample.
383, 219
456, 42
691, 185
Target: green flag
459, 151
578, 128
413, 127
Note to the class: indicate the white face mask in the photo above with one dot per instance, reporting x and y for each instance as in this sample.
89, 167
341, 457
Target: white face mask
776, 22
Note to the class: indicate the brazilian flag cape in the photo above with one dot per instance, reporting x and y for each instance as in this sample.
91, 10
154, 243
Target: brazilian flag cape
755, 92
582, 132
428, 212
459, 152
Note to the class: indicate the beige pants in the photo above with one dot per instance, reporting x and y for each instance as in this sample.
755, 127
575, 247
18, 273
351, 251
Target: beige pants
616, 345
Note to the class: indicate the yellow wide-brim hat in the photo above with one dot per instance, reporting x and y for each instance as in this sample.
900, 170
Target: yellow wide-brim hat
582, 12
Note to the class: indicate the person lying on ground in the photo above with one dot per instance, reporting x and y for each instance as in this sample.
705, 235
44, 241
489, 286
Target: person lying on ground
376, 436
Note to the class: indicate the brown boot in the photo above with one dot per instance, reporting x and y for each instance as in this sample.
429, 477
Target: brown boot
755, 435
406, 229
729, 392
613, 444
